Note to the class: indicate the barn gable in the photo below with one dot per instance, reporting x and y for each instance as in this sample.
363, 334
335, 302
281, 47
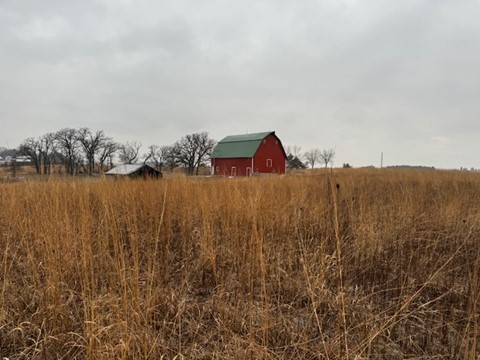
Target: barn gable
239, 146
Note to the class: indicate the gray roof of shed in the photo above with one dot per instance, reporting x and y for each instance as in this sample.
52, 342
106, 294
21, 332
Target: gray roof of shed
125, 169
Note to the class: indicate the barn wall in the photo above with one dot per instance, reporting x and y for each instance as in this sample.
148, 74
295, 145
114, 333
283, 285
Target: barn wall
224, 166
269, 149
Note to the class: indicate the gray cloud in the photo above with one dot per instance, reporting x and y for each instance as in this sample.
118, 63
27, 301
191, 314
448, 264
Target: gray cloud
364, 77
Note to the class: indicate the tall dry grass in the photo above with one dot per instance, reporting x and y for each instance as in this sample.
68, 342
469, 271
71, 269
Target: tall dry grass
352, 265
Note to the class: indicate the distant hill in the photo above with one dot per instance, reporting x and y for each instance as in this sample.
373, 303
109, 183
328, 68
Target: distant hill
411, 167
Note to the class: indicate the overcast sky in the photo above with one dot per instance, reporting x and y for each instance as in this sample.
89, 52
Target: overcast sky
363, 77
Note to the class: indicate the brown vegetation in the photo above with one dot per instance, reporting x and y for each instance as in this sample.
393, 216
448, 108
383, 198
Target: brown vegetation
354, 265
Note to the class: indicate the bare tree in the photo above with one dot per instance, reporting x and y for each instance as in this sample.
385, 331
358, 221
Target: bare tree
171, 160
294, 157
32, 148
47, 150
327, 156
91, 144
129, 151
185, 153
157, 154
312, 157
13, 167
107, 151
193, 150
294, 150
68, 145
205, 148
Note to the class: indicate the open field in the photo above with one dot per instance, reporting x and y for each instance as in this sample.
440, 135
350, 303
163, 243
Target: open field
357, 264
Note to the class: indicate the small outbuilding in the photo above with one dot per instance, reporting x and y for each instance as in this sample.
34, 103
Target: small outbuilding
134, 171
249, 154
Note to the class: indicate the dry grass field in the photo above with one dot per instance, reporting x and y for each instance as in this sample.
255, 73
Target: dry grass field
357, 264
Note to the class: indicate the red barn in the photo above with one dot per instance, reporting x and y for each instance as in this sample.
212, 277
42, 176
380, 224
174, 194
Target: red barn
249, 154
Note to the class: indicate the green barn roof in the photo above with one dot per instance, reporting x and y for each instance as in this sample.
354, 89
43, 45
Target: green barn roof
239, 146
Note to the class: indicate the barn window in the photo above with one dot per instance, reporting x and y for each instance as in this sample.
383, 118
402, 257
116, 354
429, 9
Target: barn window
269, 162
276, 142
264, 141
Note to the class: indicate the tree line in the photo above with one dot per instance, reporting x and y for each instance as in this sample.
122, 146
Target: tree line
298, 160
88, 151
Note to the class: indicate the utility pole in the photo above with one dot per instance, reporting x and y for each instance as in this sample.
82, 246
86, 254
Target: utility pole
381, 161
